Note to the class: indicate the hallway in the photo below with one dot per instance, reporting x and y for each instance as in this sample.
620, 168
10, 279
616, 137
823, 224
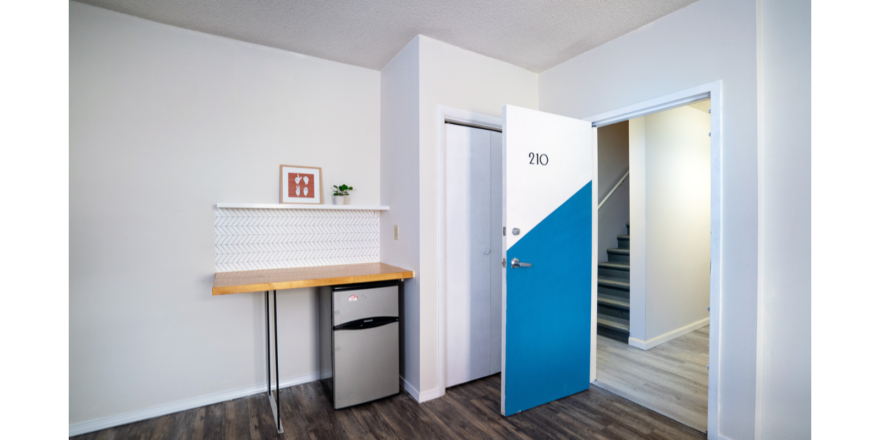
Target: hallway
671, 378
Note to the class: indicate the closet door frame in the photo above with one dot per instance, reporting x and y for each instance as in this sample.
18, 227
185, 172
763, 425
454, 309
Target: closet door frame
476, 120
469, 246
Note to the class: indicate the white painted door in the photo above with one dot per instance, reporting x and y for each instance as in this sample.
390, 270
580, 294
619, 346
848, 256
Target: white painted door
473, 244
549, 205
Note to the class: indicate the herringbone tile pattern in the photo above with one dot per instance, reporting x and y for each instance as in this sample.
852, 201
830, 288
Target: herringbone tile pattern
251, 239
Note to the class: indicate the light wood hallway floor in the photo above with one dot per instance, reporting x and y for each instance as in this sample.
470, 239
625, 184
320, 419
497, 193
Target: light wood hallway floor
670, 378
466, 411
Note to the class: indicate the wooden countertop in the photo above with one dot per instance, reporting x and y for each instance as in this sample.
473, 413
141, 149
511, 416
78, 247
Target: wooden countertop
293, 278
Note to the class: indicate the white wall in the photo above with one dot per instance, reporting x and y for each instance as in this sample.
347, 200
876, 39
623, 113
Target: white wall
677, 208
784, 396
706, 41
452, 77
399, 178
613, 164
638, 255
164, 123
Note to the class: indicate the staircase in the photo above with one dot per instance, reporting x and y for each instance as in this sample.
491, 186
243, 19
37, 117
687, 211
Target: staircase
613, 299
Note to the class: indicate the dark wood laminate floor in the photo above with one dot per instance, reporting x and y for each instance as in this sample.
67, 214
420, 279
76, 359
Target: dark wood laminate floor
466, 411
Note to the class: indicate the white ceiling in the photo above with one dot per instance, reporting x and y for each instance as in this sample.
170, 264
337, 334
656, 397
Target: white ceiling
535, 35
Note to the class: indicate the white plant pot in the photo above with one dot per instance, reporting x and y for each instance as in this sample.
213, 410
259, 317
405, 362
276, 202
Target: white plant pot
346, 199
338, 200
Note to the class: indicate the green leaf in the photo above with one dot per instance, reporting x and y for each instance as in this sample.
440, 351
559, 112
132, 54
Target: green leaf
342, 190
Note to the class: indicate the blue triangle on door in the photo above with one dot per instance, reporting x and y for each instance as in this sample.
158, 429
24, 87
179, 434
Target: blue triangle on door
548, 315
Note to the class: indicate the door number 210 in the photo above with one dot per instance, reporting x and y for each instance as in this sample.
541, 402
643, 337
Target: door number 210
538, 159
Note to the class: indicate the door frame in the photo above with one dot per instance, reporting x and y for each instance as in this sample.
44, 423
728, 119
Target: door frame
471, 119
712, 90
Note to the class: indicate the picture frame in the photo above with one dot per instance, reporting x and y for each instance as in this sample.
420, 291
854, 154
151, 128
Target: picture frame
301, 185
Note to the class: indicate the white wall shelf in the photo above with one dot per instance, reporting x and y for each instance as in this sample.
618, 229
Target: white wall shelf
286, 206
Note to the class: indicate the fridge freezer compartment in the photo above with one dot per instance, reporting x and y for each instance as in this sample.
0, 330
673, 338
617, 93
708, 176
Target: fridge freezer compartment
354, 304
365, 364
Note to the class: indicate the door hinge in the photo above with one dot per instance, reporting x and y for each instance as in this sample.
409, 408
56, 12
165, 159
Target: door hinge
504, 262
503, 231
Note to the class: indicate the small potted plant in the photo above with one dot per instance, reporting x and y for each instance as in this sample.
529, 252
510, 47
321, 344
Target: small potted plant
340, 194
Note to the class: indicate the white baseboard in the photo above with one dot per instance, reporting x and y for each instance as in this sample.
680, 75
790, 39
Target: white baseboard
430, 395
420, 397
653, 342
181, 405
637, 343
409, 388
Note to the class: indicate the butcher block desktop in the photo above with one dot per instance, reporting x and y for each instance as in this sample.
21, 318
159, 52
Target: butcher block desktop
293, 278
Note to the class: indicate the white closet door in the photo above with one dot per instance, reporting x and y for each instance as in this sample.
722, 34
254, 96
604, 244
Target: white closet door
469, 347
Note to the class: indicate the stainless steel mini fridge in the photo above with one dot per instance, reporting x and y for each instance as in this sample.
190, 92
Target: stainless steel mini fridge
359, 342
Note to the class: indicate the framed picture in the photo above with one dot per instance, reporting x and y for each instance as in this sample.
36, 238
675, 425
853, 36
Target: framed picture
301, 185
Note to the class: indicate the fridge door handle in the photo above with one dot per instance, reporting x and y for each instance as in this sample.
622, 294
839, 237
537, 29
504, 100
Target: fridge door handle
365, 323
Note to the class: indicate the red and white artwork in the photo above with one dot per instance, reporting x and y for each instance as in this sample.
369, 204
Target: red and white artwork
301, 185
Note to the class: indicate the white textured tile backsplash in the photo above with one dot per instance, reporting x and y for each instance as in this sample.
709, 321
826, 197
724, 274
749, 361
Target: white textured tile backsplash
249, 239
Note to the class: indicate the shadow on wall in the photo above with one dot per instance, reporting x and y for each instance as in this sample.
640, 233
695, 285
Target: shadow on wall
613, 165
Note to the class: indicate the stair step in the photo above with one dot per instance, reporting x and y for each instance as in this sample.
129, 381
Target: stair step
616, 265
623, 237
612, 301
613, 282
618, 255
614, 269
613, 323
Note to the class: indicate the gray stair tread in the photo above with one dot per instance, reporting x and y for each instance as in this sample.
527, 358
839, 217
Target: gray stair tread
618, 251
615, 265
615, 323
613, 301
613, 282
623, 237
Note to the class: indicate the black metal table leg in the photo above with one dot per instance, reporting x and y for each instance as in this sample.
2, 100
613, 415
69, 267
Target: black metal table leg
275, 403
268, 363
277, 371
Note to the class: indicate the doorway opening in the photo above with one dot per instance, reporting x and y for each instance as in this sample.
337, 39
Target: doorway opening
658, 240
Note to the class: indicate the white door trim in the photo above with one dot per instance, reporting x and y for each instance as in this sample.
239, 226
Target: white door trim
448, 114
711, 90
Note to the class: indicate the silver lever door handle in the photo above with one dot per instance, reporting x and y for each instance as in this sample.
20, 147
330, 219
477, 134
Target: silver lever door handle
516, 263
